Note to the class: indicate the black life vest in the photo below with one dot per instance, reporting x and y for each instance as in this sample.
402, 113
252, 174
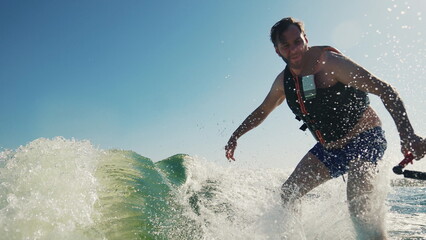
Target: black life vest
329, 113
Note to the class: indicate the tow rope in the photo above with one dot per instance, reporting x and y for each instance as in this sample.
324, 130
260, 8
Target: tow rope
399, 169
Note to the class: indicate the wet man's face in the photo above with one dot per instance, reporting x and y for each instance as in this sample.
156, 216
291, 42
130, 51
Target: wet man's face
292, 46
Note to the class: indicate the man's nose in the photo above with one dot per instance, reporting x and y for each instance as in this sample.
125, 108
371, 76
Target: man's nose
293, 48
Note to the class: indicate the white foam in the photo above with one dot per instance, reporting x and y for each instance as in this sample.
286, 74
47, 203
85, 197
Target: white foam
48, 190
245, 204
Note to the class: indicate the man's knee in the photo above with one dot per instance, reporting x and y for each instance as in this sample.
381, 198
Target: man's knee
289, 193
359, 205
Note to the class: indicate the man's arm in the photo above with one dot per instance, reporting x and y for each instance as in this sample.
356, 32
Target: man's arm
274, 98
349, 73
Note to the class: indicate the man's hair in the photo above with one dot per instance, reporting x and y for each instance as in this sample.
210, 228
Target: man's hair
282, 26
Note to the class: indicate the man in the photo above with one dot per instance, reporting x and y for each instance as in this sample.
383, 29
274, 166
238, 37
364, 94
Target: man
328, 92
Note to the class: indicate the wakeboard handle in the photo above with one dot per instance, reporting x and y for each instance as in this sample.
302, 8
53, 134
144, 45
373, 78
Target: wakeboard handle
408, 158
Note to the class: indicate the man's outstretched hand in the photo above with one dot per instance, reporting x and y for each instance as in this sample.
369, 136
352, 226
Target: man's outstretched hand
230, 148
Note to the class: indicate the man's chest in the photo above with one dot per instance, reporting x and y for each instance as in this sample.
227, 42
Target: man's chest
324, 80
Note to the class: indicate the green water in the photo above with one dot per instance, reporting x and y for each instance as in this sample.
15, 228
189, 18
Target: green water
137, 198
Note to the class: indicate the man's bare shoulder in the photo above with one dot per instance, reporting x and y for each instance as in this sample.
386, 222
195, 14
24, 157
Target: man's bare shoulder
279, 81
311, 60
330, 60
277, 89
280, 76
316, 49
326, 55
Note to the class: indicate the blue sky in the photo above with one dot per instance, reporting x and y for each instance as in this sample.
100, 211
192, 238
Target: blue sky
167, 77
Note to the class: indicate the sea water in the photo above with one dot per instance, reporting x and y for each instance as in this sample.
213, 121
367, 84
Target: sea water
67, 189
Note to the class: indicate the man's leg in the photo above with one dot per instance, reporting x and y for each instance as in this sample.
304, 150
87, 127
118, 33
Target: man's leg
364, 207
309, 173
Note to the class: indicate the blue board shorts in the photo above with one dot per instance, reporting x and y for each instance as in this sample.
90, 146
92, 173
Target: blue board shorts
369, 145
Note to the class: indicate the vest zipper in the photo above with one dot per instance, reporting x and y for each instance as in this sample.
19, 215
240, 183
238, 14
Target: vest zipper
299, 97
319, 136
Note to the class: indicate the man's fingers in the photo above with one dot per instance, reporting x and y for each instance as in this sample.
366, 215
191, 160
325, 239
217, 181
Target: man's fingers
230, 154
230, 148
417, 153
419, 156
